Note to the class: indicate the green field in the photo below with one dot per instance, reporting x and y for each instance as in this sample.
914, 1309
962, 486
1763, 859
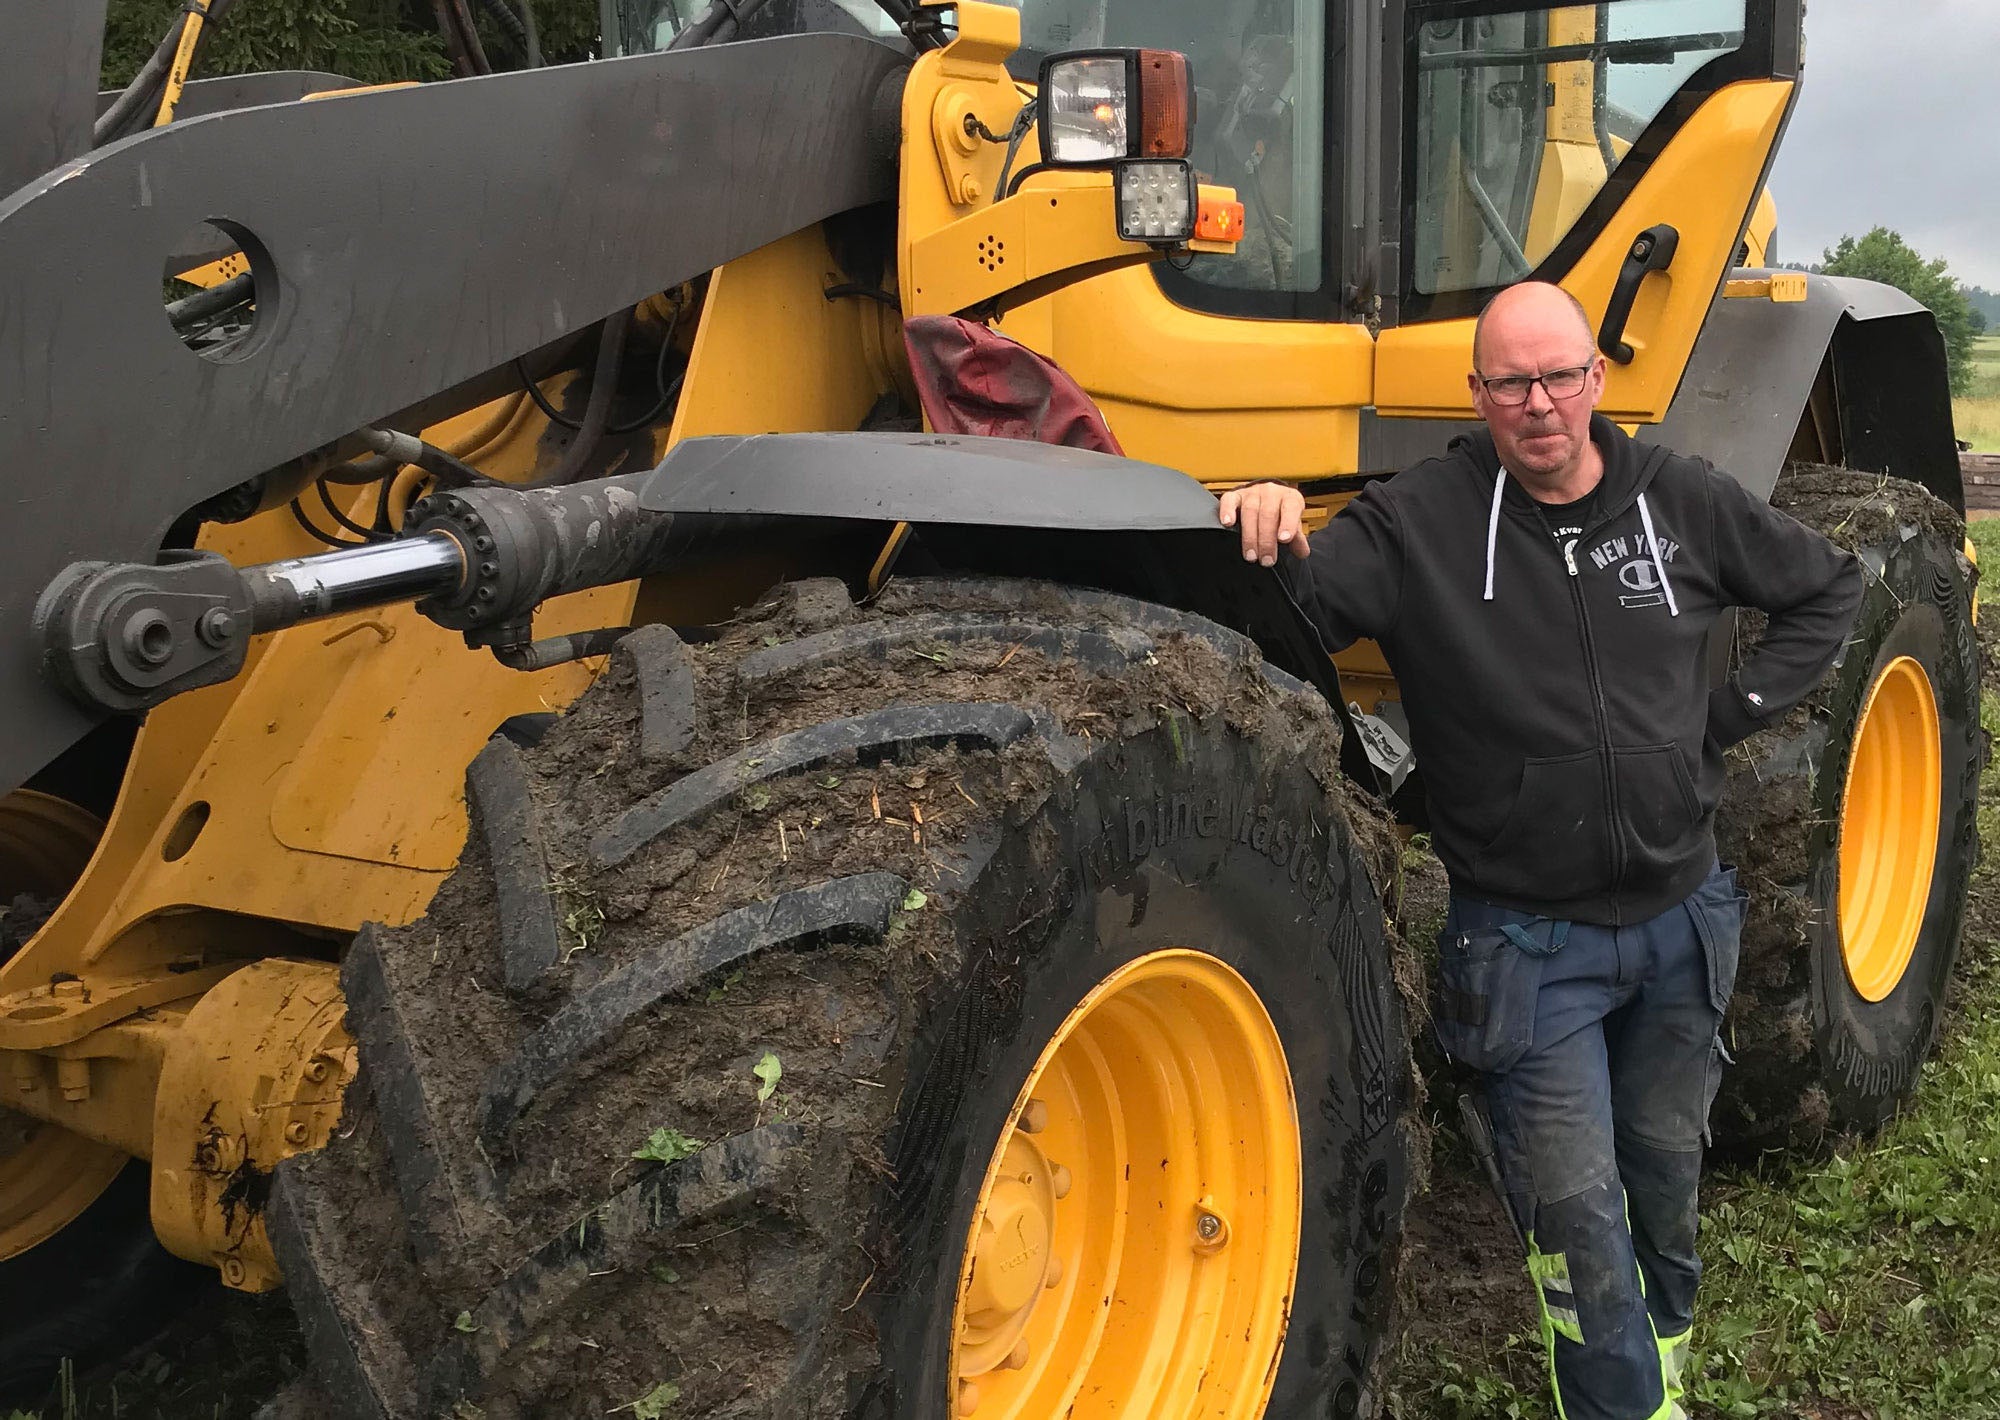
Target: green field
1978, 414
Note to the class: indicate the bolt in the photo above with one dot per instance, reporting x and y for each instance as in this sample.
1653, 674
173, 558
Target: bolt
1034, 1117
485, 594
27, 1071
969, 189
1018, 1357
66, 986
73, 1076
295, 1132
489, 569
968, 1397
482, 543
1053, 1277
233, 1272
1060, 1180
1209, 1227
216, 626
317, 1071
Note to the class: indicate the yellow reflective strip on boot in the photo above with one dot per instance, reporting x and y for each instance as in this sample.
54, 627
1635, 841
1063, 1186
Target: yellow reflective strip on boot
1673, 1363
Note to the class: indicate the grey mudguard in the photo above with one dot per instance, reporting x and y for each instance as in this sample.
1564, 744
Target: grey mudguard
926, 478
1754, 367
1010, 508
406, 242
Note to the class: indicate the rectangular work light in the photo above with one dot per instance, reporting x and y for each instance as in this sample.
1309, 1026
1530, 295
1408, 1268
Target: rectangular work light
1156, 201
1101, 106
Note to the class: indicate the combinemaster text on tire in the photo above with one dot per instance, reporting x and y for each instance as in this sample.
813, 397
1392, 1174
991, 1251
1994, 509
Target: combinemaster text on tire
1853, 823
974, 1004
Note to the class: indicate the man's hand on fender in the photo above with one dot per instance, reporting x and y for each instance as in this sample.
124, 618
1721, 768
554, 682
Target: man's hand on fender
1271, 515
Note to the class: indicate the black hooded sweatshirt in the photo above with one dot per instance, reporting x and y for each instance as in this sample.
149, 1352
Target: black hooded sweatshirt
1557, 696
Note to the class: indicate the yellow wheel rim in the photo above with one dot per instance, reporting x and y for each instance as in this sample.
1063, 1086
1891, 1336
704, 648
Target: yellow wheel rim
1889, 828
1137, 1232
47, 1174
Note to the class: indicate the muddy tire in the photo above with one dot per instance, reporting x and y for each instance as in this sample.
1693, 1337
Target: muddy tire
101, 1287
1830, 1023
889, 851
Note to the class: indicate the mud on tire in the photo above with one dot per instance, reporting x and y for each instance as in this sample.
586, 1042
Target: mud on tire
891, 847
1811, 1053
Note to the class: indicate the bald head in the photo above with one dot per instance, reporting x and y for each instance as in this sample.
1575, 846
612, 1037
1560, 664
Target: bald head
1531, 309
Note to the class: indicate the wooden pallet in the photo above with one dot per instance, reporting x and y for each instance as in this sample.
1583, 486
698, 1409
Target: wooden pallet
1981, 475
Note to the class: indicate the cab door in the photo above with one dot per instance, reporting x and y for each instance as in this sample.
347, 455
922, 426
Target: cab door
1616, 148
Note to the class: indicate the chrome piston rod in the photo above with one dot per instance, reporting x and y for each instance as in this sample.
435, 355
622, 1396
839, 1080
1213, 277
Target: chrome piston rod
306, 588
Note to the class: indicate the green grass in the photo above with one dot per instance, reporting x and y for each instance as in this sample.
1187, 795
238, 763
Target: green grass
1863, 1288
1985, 535
1977, 415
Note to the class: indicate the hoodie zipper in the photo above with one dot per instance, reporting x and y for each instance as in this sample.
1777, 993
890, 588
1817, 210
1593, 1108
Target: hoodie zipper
1601, 715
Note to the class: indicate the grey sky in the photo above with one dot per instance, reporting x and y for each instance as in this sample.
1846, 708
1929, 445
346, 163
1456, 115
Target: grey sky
1896, 128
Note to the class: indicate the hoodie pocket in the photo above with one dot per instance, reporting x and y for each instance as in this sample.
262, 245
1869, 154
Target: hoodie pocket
1553, 843
1657, 802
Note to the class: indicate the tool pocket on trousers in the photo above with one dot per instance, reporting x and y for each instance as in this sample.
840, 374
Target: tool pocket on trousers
1717, 909
1719, 1059
1488, 978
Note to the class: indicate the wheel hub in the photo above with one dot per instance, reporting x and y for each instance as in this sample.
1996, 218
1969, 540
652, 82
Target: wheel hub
1134, 1245
1889, 828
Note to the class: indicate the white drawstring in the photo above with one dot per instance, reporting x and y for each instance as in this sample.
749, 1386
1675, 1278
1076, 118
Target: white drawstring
1493, 528
1653, 543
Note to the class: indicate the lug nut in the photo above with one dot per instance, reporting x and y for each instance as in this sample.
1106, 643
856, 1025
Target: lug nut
1034, 1117
316, 1071
1018, 1357
968, 1397
1060, 1180
1053, 1277
296, 1132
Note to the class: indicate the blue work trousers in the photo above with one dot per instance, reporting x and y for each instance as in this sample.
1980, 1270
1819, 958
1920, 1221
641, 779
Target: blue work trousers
1600, 1053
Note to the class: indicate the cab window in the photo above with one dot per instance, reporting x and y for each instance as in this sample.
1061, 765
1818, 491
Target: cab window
1517, 117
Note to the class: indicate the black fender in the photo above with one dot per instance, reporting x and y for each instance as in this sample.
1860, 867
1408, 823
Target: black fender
403, 243
1853, 375
1010, 507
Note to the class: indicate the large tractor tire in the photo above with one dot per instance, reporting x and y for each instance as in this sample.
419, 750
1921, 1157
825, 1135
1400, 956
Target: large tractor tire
995, 983
1853, 826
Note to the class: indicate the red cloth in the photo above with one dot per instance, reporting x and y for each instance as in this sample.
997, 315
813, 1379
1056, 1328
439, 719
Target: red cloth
973, 380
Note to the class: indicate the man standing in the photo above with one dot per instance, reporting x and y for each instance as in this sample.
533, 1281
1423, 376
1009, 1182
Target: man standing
1544, 593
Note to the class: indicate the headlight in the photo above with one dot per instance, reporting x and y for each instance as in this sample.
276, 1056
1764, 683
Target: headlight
1101, 106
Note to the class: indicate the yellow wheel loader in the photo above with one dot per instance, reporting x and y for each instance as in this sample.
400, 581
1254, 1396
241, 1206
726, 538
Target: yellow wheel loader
574, 804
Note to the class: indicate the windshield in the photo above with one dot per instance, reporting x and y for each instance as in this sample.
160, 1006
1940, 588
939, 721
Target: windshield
1261, 97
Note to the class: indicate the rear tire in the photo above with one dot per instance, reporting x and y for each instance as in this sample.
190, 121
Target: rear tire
993, 796
1815, 1051
98, 1289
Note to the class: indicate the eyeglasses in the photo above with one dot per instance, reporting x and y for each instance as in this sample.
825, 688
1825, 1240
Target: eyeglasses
1558, 384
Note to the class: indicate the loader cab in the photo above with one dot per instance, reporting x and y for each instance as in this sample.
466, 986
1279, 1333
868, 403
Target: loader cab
1400, 163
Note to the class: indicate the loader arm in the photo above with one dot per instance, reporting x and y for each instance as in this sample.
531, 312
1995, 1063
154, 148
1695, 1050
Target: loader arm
387, 233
